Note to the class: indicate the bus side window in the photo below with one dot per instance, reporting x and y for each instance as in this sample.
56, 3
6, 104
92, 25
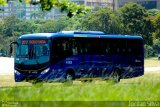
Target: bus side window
123, 47
128, 47
67, 47
129, 50
75, 51
107, 49
74, 47
113, 47
82, 46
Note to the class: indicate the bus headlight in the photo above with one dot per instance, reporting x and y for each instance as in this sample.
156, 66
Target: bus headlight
45, 71
16, 72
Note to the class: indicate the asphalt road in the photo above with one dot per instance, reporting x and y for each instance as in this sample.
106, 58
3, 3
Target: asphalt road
7, 66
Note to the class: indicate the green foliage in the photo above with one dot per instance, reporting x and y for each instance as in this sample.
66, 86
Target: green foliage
39, 21
2, 2
149, 51
1, 26
9, 26
38, 14
153, 12
100, 20
25, 27
1, 43
135, 22
116, 25
61, 24
132, 15
48, 26
156, 22
13, 26
156, 45
74, 23
52, 25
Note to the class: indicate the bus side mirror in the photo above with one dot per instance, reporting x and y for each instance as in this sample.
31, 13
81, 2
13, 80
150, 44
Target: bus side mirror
11, 48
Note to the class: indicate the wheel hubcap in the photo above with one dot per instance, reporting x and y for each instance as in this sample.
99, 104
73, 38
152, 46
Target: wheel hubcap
116, 76
69, 77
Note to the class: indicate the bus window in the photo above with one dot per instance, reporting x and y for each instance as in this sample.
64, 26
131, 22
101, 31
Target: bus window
135, 47
22, 51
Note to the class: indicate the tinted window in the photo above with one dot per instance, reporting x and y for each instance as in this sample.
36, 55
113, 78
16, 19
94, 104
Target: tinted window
66, 47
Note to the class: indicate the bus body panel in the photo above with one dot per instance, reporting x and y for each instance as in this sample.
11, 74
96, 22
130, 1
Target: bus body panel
86, 69
87, 65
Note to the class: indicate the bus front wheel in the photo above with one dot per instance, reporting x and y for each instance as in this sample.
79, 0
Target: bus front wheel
116, 75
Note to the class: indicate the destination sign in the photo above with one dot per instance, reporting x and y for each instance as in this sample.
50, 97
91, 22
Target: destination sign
33, 41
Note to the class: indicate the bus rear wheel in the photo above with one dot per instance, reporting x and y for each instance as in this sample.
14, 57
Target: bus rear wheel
70, 76
116, 76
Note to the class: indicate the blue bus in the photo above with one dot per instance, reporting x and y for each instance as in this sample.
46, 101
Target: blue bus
70, 55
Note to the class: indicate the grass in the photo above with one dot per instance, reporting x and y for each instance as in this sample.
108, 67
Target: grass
145, 88
152, 62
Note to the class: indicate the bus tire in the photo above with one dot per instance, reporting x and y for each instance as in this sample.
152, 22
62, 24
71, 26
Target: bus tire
116, 75
70, 76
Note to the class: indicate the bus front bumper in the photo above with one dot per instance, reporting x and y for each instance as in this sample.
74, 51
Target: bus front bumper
45, 75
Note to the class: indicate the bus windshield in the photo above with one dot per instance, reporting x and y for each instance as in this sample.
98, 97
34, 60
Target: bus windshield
37, 51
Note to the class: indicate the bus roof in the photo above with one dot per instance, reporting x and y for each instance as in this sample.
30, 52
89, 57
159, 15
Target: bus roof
87, 34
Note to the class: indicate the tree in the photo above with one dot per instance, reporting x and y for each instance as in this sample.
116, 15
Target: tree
2, 47
61, 24
25, 27
116, 25
9, 28
156, 22
149, 51
135, 22
98, 21
154, 17
53, 25
2, 2
64, 5
102, 20
156, 45
74, 23
132, 16
38, 14
47, 27
12, 26
153, 12
39, 21
1, 27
